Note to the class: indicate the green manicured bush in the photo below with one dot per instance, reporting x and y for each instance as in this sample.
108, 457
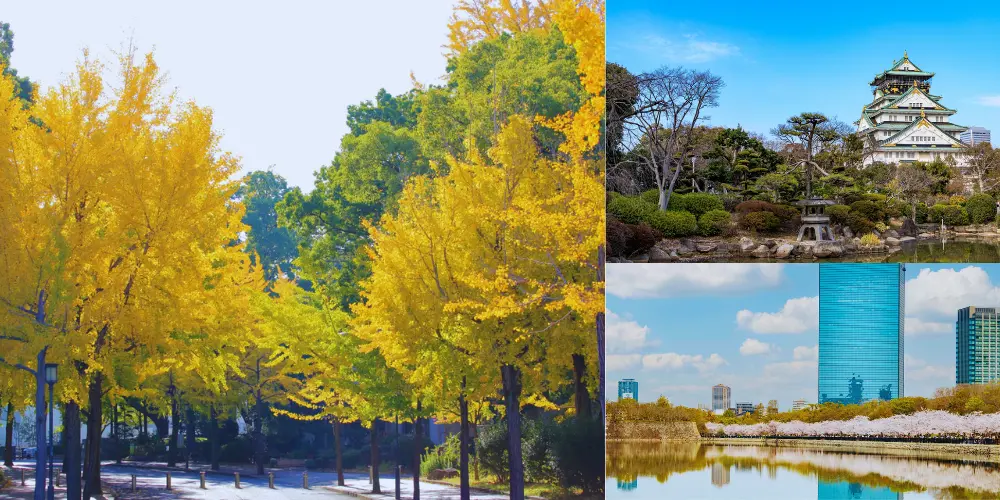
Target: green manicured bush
674, 223
491, 448
859, 223
651, 196
611, 196
696, 203
536, 448
764, 222
923, 212
631, 210
897, 208
981, 208
838, 213
869, 210
953, 215
576, 464
714, 222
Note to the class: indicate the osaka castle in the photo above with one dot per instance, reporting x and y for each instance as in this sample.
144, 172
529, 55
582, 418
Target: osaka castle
905, 122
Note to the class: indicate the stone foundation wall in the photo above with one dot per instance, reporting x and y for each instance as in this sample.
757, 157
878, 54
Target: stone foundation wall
654, 431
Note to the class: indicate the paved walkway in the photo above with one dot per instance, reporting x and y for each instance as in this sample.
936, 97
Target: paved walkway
220, 485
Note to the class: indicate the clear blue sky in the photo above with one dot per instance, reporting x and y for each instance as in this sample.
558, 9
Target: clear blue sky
679, 329
782, 58
279, 75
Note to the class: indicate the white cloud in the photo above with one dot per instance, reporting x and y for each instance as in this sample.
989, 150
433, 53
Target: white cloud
803, 353
990, 100
624, 335
658, 280
751, 347
940, 294
674, 361
688, 49
623, 361
917, 326
796, 316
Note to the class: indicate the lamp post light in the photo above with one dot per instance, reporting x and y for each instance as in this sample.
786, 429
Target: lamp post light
50, 378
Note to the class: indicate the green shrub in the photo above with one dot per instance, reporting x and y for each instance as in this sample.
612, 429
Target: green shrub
491, 448
446, 456
536, 445
981, 208
238, 451
576, 464
714, 222
869, 210
651, 196
956, 199
838, 213
764, 222
674, 223
786, 213
611, 196
859, 223
696, 203
923, 212
631, 210
953, 215
878, 199
898, 208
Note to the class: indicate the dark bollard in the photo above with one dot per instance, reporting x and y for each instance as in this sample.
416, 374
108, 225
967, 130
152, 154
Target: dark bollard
169, 487
305, 480
398, 472
133, 482
370, 474
203, 480
58, 480
22, 477
270, 480
237, 474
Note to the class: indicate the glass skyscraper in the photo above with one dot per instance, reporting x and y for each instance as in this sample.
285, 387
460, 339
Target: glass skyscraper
977, 345
860, 332
628, 389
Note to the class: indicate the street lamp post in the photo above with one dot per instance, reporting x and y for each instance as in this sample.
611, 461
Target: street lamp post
50, 378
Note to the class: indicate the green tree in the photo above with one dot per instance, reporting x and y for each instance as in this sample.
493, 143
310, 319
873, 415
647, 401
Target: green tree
810, 134
22, 85
260, 193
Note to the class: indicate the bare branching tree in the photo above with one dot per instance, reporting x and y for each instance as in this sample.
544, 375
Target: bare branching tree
659, 130
983, 165
812, 133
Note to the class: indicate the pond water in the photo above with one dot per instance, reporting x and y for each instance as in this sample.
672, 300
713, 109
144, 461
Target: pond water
692, 470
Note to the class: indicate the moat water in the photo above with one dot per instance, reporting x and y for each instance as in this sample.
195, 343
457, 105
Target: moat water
692, 470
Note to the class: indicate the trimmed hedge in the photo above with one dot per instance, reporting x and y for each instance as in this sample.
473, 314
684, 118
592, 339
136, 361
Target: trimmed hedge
859, 223
869, 210
981, 208
625, 240
838, 213
953, 215
714, 222
760, 221
651, 196
674, 223
631, 210
696, 203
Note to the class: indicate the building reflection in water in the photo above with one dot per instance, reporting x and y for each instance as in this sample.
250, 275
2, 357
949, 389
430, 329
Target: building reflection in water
854, 491
628, 485
720, 474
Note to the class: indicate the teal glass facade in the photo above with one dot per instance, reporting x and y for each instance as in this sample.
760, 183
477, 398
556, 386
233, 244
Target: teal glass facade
860, 332
977, 345
628, 389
